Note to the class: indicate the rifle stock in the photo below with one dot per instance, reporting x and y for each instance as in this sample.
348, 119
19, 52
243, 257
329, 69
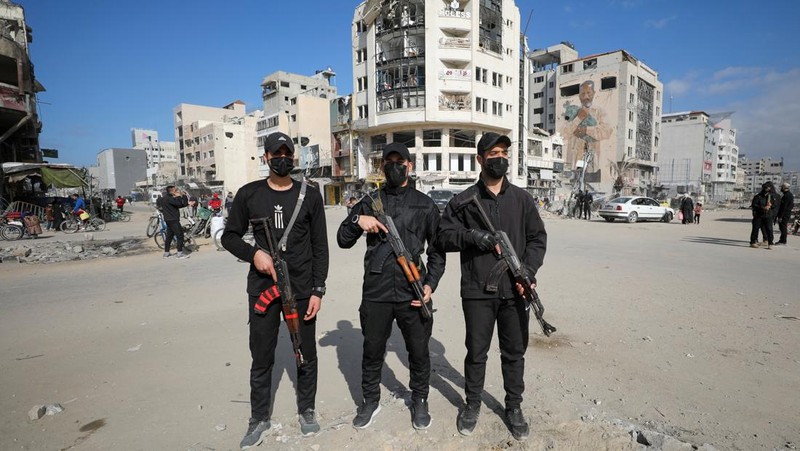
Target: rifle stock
406, 263
288, 301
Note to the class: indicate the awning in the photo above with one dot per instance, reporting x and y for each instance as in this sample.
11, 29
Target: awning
58, 176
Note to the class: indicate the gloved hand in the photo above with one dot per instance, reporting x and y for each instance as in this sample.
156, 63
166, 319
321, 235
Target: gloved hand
482, 239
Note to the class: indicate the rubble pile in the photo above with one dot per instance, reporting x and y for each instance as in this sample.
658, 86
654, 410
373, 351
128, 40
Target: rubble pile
62, 251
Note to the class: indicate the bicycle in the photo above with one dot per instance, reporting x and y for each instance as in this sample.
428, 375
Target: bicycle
72, 224
247, 237
122, 216
161, 236
10, 232
153, 223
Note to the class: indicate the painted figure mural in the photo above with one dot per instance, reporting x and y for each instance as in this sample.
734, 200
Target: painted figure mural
586, 127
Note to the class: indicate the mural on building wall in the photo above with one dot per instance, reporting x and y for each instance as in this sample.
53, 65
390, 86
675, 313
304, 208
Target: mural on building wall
587, 126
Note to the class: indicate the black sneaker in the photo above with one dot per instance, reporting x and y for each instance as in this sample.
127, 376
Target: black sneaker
517, 423
467, 419
308, 423
420, 418
365, 414
256, 430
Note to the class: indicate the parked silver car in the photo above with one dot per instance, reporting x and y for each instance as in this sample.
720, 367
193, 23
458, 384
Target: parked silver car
635, 208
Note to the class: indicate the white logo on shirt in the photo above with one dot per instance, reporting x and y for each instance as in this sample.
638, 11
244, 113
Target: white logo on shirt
278, 217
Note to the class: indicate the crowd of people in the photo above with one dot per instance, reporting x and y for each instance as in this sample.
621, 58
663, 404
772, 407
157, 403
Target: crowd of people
769, 207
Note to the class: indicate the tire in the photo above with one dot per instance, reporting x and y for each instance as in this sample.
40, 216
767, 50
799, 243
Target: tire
609, 219
667, 217
97, 224
125, 217
189, 243
159, 240
152, 226
12, 233
633, 217
69, 226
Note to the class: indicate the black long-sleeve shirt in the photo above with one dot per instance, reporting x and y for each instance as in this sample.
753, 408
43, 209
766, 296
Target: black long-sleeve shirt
307, 244
512, 211
786, 206
416, 217
171, 206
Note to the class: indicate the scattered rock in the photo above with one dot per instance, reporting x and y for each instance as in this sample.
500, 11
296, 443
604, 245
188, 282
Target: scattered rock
77, 249
108, 250
315, 447
53, 409
220, 427
21, 251
647, 338
36, 412
135, 348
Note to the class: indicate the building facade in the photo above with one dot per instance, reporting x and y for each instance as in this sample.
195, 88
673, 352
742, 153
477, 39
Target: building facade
217, 146
120, 169
19, 120
725, 161
607, 108
686, 160
299, 106
436, 76
758, 172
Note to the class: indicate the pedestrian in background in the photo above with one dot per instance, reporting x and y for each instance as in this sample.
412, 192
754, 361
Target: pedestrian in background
587, 205
511, 210
687, 209
386, 294
171, 204
698, 209
785, 212
49, 216
762, 221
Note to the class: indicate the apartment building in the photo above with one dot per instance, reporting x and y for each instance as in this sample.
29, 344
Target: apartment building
19, 120
607, 107
725, 160
299, 106
162, 156
758, 172
217, 146
686, 158
436, 76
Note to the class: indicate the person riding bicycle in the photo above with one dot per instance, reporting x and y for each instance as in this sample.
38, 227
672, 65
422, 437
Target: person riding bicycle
79, 208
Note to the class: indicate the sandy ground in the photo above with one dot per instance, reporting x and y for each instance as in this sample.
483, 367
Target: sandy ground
684, 330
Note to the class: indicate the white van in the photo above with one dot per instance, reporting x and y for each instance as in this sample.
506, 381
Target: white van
154, 196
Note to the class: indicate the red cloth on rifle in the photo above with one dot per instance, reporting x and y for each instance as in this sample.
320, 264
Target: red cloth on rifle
266, 298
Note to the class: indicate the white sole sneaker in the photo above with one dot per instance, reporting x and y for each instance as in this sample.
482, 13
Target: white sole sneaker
370, 418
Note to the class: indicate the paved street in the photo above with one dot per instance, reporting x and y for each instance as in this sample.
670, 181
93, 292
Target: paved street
683, 330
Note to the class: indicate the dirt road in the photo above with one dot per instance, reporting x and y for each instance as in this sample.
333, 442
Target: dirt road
682, 330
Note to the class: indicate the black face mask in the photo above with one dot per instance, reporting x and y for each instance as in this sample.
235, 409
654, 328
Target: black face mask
395, 174
281, 166
495, 168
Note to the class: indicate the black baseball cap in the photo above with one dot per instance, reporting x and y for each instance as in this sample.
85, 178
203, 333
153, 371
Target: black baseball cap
491, 139
276, 140
398, 148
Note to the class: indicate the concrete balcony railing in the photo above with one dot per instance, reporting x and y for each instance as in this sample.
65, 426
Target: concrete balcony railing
454, 43
455, 102
455, 74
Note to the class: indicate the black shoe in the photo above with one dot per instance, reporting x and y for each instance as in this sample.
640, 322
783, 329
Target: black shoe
308, 423
420, 418
517, 423
365, 414
468, 418
256, 430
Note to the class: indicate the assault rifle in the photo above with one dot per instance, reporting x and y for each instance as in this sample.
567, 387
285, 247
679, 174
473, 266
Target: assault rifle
406, 263
509, 261
288, 301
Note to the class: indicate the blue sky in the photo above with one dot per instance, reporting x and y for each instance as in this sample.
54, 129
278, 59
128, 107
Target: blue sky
109, 66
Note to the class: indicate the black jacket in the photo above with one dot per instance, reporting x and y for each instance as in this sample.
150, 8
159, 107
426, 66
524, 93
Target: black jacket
759, 204
170, 206
512, 211
417, 218
307, 245
787, 204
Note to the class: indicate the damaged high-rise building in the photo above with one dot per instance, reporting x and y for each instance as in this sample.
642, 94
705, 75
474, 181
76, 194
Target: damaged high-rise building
436, 76
19, 121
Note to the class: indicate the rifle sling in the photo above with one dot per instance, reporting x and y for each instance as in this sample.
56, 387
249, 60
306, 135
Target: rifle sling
295, 213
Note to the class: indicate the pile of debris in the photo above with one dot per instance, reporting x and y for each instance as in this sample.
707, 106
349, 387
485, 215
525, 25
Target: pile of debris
62, 251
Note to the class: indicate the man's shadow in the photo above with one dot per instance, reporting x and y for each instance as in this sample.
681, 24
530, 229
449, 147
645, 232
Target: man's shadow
284, 362
443, 374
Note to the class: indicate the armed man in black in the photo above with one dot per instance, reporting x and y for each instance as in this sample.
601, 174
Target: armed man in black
387, 295
785, 212
306, 252
513, 211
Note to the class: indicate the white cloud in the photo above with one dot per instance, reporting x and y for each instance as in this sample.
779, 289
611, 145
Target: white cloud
766, 122
737, 71
659, 23
677, 87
